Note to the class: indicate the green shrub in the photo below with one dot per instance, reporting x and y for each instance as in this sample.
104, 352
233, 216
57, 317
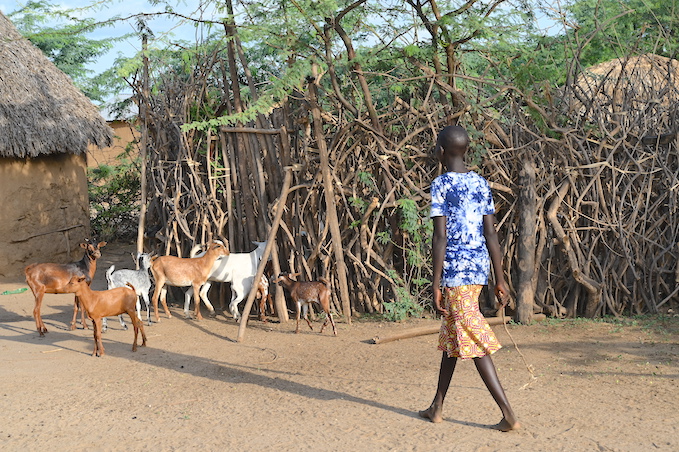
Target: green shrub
114, 200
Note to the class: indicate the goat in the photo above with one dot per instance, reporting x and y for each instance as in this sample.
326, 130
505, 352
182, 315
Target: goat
305, 294
263, 296
182, 272
105, 303
239, 269
140, 279
54, 278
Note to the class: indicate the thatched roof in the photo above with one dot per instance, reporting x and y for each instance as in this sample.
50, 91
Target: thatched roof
640, 93
642, 78
41, 110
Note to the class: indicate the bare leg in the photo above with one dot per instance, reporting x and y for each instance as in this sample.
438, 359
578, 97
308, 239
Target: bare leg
36, 311
488, 374
76, 305
435, 410
156, 296
196, 301
163, 299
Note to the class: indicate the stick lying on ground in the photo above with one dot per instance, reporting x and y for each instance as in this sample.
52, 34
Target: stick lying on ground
423, 331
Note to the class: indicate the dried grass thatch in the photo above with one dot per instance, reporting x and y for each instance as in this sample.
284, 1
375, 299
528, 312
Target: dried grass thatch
41, 110
647, 70
639, 90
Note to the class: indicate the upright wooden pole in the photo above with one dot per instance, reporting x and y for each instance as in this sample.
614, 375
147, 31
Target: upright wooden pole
331, 211
525, 293
270, 242
143, 110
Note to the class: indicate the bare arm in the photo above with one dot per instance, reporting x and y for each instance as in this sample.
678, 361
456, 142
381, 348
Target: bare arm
438, 254
495, 252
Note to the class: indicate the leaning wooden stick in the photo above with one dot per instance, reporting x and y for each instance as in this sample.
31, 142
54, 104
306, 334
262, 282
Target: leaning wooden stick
423, 331
270, 241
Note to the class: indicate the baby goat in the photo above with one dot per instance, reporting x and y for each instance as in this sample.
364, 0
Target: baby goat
182, 272
140, 279
54, 278
105, 303
264, 296
306, 293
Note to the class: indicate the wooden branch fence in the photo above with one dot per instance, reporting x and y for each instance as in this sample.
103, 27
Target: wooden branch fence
594, 230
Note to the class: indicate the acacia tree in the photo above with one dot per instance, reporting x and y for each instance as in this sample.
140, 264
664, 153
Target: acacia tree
63, 39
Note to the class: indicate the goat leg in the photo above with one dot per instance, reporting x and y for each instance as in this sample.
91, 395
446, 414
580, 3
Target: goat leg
138, 325
98, 345
299, 309
332, 322
36, 312
306, 316
77, 305
262, 307
148, 308
203, 296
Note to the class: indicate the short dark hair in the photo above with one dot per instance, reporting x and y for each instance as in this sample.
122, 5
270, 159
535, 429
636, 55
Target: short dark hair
452, 138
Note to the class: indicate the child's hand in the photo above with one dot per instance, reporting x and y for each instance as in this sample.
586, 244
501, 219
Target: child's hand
502, 293
438, 305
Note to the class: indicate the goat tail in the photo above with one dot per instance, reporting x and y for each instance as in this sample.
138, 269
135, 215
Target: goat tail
109, 274
131, 287
325, 281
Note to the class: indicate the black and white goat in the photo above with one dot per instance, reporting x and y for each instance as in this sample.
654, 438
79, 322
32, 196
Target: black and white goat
139, 279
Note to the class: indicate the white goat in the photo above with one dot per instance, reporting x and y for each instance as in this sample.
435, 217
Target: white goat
239, 269
140, 279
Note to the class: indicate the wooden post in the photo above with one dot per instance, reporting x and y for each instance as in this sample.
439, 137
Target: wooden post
143, 110
525, 292
270, 242
279, 297
331, 211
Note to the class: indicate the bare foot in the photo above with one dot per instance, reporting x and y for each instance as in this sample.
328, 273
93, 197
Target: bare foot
506, 426
432, 414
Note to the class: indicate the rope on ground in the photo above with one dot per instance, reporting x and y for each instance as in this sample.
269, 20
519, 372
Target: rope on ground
528, 366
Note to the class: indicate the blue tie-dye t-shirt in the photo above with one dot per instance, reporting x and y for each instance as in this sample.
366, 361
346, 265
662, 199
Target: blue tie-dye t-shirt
463, 198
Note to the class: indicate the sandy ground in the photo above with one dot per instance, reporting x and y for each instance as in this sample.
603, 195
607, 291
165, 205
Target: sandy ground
600, 386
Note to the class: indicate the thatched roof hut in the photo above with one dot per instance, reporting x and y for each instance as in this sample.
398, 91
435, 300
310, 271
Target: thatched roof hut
46, 124
41, 111
640, 91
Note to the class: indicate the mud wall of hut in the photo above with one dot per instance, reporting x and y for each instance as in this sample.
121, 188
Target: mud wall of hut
44, 211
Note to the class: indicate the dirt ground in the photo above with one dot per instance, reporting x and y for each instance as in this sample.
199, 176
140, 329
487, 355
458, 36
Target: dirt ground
601, 386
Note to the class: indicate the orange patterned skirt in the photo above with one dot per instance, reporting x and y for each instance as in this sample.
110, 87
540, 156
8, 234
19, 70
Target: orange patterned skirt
464, 331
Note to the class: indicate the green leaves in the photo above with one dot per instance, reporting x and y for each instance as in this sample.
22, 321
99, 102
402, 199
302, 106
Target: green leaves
114, 199
63, 39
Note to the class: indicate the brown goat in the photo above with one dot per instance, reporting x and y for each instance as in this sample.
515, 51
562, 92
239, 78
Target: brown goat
108, 303
306, 293
54, 278
183, 272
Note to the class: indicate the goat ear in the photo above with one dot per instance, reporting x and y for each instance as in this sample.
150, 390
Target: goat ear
101, 244
225, 242
83, 245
